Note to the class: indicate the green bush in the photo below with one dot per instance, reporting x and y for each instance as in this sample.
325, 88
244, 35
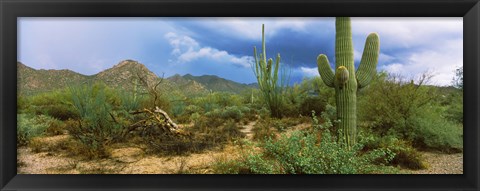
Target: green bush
230, 112
312, 103
190, 109
454, 110
55, 127
29, 126
98, 124
399, 152
433, 132
390, 102
203, 135
55, 104
59, 111
130, 101
409, 111
263, 130
304, 152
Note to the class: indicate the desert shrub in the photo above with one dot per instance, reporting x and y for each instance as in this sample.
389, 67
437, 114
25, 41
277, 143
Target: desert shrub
98, 124
55, 127
304, 152
216, 130
130, 101
454, 109
311, 103
433, 132
162, 102
263, 130
400, 152
178, 108
283, 124
49, 98
55, 104
22, 103
310, 94
230, 112
390, 103
201, 136
190, 109
408, 111
60, 111
29, 126
252, 112
230, 131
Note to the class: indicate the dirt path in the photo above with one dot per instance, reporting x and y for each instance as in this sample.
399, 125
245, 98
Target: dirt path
247, 129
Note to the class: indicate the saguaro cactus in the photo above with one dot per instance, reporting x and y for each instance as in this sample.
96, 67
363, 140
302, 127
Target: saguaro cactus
345, 80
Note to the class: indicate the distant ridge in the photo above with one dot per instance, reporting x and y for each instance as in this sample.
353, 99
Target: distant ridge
121, 75
30, 80
212, 83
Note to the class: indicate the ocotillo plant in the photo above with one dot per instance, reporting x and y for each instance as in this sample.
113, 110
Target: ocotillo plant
267, 78
345, 80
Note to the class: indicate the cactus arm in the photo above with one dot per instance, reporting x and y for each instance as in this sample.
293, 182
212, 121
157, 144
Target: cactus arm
275, 72
367, 69
325, 70
341, 76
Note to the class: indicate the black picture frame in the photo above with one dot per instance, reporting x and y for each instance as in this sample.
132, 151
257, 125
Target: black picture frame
10, 10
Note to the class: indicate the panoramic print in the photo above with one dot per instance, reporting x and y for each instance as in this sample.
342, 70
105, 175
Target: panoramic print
285, 95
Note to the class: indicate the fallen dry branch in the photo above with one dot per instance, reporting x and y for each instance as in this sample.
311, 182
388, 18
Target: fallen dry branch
158, 117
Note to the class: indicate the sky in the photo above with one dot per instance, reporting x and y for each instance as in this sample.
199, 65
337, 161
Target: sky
224, 46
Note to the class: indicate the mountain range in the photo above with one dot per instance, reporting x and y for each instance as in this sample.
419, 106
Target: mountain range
122, 75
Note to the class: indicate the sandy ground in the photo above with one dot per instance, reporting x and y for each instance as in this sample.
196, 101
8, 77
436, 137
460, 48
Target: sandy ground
441, 163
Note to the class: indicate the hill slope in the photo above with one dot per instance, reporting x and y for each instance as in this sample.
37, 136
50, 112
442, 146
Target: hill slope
35, 81
211, 82
125, 75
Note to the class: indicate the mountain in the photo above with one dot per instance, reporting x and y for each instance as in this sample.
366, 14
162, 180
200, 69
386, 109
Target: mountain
32, 81
211, 82
123, 75
186, 85
127, 73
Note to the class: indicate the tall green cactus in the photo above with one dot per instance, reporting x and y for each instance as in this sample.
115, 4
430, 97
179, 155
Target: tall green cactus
345, 80
268, 79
